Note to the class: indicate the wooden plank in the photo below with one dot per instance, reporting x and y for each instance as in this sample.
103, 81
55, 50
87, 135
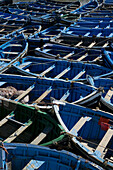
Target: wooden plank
65, 96
25, 93
78, 44
47, 70
23, 65
5, 120
105, 45
7, 17
109, 94
102, 145
21, 13
92, 44
62, 73
33, 164
87, 34
68, 55
99, 34
82, 57
5, 59
43, 95
80, 124
79, 75
2, 30
42, 135
15, 45
14, 18
10, 52
97, 58
17, 133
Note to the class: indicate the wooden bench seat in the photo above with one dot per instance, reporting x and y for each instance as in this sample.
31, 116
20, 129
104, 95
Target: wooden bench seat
17, 133
42, 135
103, 143
62, 73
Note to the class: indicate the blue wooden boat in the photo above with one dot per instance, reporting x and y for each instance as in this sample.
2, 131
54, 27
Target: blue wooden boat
23, 156
30, 125
91, 24
58, 69
44, 36
107, 58
89, 32
14, 17
84, 42
92, 5
83, 55
108, 2
106, 101
91, 131
95, 19
34, 91
12, 50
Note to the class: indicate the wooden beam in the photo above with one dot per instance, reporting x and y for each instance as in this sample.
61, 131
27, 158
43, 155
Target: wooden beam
78, 44
17, 133
65, 96
109, 94
42, 135
47, 70
62, 73
105, 140
80, 124
5, 59
25, 93
82, 57
10, 52
43, 95
92, 44
68, 55
3, 121
79, 75
105, 45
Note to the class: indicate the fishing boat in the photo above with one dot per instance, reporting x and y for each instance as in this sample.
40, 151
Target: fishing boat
22, 156
106, 101
44, 36
91, 131
12, 50
14, 17
89, 32
83, 42
38, 91
20, 123
58, 69
92, 5
91, 24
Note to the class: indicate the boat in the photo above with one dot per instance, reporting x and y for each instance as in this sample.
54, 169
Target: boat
91, 131
91, 5
58, 69
89, 32
22, 156
106, 101
84, 42
39, 91
20, 123
108, 3
91, 24
12, 50
44, 36
14, 17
